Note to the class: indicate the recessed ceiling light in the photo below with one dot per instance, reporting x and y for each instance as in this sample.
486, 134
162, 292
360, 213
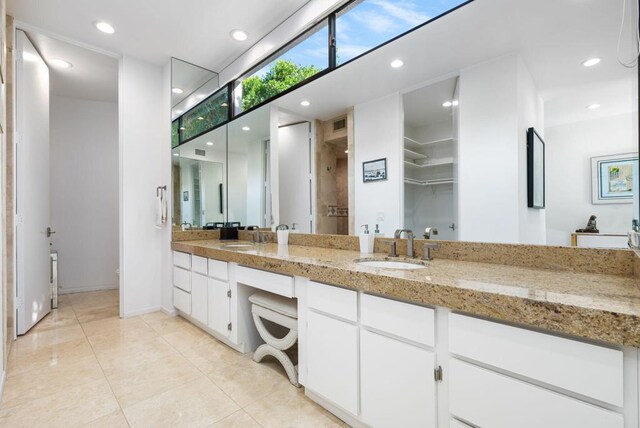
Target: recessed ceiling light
60, 63
396, 63
200, 118
105, 27
239, 35
447, 104
246, 128
591, 62
177, 90
305, 103
209, 143
593, 106
176, 154
28, 56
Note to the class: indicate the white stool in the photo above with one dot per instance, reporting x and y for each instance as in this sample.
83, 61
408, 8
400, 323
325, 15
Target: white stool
282, 311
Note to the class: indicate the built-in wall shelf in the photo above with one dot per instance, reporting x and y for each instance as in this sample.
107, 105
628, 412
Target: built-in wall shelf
411, 144
429, 163
428, 182
411, 155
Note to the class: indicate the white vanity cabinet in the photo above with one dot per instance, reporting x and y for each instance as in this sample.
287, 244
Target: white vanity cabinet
219, 305
332, 345
199, 297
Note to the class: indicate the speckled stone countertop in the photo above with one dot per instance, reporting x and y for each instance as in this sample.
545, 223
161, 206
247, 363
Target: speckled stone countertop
595, 306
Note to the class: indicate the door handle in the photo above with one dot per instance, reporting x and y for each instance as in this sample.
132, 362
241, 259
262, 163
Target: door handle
50, 232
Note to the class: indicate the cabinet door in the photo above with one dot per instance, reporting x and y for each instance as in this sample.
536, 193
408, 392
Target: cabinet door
396, 383
332, 360
199, 297
219, 316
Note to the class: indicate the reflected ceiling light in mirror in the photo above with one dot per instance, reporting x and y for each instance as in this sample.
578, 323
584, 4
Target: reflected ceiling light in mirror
60, 63
239, 35
396, 63
209, 143
176, 154
450, 103
593, 106
246, 128
346, 151
200, 118
305, 103
177, 90
224, 105
28, 56
182, 128
104, 27
591, 62
200, 96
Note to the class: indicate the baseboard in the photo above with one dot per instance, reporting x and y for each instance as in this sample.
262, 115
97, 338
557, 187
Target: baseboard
88, 289
142, 312
171, 312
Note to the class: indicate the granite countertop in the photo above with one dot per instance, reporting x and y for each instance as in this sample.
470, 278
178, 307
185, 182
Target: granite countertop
595, 306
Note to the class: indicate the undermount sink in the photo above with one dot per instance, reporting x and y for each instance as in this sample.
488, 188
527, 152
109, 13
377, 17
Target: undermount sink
390, 264
239, 247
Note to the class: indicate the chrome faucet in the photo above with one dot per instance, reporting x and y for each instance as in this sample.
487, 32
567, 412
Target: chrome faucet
409, 233
426, 250
430, 231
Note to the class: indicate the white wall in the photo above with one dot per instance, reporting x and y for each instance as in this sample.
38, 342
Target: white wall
378, 134
144, 165
498, 102
569, 149
84, 192
294, 171
530, 114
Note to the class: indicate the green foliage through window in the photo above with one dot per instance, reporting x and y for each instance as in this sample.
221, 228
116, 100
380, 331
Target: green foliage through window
175, 133
281, 75
207, 115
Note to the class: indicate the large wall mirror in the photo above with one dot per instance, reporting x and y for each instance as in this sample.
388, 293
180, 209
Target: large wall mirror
448, 107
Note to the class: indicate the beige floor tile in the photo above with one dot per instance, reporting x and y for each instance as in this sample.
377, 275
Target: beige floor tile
69, 407
196, 404
33, 341
133, 384
289, 407
211, 356
88, 314
39, 383
124, 336
106, 326
112, 420
137, 353
187, 337
163, 323
48, 356
239, 419
246, 381
61, 317
94, 298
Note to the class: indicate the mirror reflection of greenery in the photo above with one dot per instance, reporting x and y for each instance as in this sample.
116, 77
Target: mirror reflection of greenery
205, 116
280, 76
175, 136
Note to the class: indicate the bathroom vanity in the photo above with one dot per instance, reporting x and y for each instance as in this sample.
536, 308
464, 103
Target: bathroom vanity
458, 343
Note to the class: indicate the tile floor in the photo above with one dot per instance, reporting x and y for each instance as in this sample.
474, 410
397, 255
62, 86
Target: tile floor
84, 366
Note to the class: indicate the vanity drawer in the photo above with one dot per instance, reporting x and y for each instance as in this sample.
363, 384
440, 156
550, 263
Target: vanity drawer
411, 322
182, 279
590, 370
218, 269
488, 399
268, 281
199, 264
182, 259
332, 300
182, 301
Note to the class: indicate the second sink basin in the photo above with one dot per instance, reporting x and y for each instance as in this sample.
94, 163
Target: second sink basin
390, 264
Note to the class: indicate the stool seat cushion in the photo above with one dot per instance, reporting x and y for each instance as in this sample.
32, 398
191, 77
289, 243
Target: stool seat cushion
280, 304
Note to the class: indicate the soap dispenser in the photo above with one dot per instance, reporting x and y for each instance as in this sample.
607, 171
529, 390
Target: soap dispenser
377, 232
366, 240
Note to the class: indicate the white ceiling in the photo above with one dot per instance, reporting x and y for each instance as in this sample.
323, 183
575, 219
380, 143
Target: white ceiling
553, 37
195, 81
423, 106
94, 76
196, 31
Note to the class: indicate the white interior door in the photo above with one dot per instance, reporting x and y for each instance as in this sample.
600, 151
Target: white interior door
294, 163
33, 207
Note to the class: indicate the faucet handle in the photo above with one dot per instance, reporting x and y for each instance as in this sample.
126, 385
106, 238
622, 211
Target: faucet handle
393, 249
426, 250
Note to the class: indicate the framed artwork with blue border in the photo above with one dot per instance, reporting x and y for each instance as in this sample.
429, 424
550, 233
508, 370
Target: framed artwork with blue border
612, 178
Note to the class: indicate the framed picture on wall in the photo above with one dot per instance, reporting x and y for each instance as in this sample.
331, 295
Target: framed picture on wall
375, 170
612, 178
535, 170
